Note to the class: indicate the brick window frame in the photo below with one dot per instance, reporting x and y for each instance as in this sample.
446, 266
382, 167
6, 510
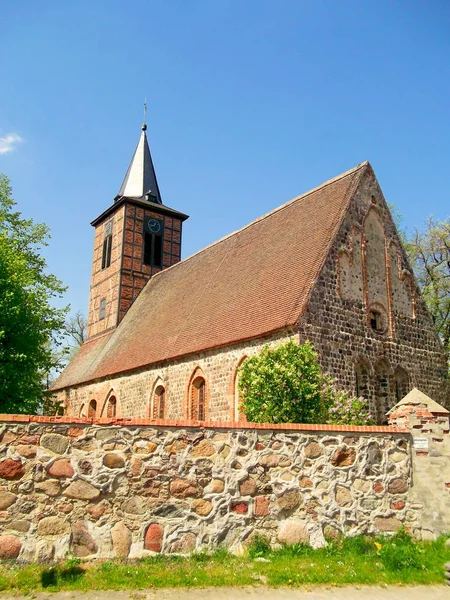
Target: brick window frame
111, 407
92, 409
198, 397
159, 402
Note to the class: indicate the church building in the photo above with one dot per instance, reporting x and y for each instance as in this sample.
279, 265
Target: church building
166, 336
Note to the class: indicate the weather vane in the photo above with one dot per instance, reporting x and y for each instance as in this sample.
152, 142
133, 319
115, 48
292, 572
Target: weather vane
144, 126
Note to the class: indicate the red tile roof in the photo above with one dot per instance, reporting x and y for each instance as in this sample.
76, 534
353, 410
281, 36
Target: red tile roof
248, 284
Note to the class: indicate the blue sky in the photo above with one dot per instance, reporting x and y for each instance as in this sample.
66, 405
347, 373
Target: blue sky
250, 103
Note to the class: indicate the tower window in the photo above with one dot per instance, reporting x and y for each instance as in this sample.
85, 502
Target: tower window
102, 311
376, 321
152, 249
106, 256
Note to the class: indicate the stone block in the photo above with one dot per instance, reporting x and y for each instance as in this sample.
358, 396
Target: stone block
293, 531
61, 468
121, 539
10, 546
11, 469
313, 450
154, 537
55, 442
388, 524
82, 490
53, 526
7, 499
344, 457
82, 543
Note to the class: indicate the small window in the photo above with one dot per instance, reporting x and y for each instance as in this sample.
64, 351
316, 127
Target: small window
159, 403
106, 256
152, 250
201, 402
376, 321
102, 311
92, 410
111, 408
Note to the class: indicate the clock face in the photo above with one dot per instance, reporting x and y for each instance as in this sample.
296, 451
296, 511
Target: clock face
154, 226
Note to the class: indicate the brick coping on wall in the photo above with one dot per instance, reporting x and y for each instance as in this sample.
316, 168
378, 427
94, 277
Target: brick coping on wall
128, 422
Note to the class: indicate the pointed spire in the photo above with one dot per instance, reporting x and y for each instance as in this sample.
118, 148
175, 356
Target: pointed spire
140, 179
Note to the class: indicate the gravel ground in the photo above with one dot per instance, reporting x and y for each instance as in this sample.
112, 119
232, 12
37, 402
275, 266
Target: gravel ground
250, 593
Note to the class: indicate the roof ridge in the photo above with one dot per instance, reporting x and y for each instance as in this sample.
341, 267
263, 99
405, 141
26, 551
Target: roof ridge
262, 217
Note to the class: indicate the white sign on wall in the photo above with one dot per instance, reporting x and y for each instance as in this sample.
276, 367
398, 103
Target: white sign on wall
421, 443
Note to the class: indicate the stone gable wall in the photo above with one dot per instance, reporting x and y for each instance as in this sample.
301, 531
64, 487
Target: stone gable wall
74, 488
367, 268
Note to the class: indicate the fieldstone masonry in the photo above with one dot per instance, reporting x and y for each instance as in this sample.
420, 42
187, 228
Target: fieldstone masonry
83, 489
428, 423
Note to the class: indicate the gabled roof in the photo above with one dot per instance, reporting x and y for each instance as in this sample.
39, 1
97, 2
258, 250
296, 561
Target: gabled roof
140, 179
248, 284
415, 396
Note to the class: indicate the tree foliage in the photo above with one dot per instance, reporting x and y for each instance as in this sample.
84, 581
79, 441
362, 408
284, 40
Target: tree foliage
429, 253
30, 326
285, 384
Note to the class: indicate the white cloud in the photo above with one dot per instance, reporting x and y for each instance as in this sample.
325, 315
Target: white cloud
8, 142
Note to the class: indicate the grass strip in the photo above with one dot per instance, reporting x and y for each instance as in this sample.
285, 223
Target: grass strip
358, 560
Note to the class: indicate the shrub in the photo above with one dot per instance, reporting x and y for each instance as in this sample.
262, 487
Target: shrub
285, 384
343, 409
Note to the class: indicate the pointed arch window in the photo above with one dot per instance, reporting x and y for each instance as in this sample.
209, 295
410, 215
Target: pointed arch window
402, 385
159, 403
92, 409
198, 399
384, 400
111, 407
362, 380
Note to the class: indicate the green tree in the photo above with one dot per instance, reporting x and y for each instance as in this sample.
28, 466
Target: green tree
283, 384
429, 253
30, 327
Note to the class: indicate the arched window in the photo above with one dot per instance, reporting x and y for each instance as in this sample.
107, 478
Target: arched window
159, 403
362, 380
107, 245
402, 385
82, 410
111, 407
198, 399
92, 410
384, 400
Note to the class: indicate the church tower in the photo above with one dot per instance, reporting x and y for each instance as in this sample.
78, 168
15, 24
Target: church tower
136, 237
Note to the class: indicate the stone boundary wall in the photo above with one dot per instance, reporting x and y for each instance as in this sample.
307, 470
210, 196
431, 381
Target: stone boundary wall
72, 488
